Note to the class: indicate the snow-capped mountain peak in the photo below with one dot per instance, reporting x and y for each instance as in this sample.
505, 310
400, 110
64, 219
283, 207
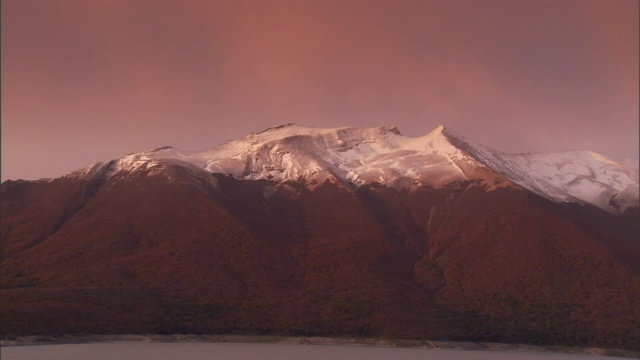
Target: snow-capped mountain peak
383, 155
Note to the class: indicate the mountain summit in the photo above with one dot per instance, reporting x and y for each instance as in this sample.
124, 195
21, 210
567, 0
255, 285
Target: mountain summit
359, 156
346, 232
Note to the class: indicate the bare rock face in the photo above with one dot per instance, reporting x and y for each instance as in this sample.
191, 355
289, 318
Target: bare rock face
164, 245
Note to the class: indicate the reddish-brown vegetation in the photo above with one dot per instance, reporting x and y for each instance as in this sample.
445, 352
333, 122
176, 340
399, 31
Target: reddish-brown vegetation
182, 252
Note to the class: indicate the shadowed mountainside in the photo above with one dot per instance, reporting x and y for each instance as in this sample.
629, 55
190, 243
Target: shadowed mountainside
182, 251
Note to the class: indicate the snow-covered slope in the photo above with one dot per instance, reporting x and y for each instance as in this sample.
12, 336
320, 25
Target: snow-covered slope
568, 176
291, 152
366, 155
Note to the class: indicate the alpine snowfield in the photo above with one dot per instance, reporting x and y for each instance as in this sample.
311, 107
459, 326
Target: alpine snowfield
382, 155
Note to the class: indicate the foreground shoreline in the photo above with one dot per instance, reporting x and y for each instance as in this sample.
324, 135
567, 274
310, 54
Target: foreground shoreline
314, 340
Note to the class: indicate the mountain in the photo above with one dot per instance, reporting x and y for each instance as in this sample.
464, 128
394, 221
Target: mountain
340, 232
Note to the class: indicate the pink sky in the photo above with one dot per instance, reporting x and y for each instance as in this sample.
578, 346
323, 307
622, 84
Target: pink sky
84, 81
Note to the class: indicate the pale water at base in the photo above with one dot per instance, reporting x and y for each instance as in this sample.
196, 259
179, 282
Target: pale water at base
235, 351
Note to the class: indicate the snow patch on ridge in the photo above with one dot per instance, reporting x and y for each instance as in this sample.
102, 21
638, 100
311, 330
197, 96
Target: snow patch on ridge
581, 176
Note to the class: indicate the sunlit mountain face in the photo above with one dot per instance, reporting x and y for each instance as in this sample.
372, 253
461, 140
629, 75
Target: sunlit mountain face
333, 232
